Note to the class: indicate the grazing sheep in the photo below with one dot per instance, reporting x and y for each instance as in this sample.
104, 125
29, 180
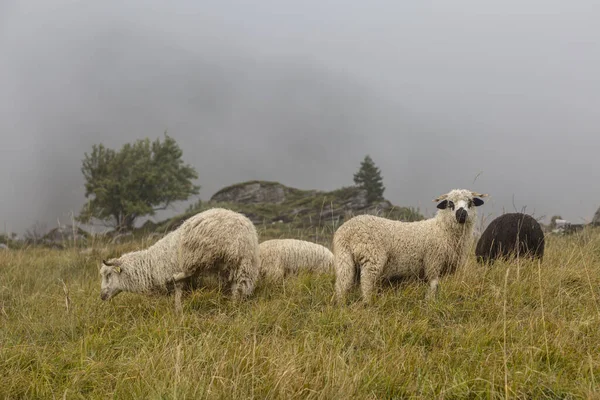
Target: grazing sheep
511, 234
283, 257
369, 249
217, 240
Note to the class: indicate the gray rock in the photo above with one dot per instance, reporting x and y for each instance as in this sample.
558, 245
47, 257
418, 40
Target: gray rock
252, 193
305, 206
57, 237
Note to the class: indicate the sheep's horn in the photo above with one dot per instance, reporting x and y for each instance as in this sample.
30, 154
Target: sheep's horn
442, 197
108, 264
475, 194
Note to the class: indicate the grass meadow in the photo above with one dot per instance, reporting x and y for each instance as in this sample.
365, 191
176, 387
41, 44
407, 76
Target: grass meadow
517, 330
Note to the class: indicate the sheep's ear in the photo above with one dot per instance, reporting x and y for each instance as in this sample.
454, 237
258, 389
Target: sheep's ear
477, 201
442, 197
443, 205
475, 194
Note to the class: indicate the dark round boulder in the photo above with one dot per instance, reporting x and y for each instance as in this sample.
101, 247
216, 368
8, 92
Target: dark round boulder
500, 238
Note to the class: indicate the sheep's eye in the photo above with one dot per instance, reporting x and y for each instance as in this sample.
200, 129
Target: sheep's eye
451, 205
470, 203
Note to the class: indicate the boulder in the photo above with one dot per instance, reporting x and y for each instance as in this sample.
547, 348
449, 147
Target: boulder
253, 192
64, 234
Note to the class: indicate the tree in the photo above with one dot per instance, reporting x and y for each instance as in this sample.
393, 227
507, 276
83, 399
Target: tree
369, 178
138, 180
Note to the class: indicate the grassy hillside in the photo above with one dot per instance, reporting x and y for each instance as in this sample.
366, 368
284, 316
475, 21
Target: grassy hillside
516, 330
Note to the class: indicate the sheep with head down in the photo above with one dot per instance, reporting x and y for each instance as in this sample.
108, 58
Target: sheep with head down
369, 249
280, 258
217, 241
511, 235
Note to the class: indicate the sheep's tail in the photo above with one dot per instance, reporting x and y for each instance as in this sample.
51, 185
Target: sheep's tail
345, 269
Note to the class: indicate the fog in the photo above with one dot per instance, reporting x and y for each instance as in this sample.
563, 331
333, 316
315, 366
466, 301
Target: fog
498, 97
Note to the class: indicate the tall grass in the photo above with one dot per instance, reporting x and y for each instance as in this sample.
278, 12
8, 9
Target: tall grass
516, 330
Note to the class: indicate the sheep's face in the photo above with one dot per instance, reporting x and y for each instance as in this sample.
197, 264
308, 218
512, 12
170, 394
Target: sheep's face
459, 206
110, 272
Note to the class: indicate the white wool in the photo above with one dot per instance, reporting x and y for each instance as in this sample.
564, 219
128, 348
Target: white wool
217, 240
379, 248
282, 257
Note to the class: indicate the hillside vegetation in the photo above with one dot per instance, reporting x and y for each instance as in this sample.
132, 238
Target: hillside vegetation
521, 330
280, 211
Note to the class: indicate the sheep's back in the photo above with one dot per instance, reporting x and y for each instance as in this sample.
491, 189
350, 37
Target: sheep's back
293, 254
369, 234
500, 237
220, 233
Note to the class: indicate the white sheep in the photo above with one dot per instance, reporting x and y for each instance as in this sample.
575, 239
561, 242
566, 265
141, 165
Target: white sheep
280, 258
369, 249
214, 241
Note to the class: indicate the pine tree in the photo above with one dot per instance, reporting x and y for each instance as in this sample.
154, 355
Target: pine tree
369, 178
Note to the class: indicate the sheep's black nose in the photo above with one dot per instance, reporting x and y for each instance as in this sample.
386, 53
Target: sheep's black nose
461, 215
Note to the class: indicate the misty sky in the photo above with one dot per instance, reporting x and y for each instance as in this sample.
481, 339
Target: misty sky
436, 92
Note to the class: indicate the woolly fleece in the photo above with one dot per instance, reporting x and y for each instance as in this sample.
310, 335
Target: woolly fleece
280, 258
369, 249
217, 240
500, 238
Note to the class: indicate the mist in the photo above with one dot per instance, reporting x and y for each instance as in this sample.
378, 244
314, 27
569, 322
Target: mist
496, 97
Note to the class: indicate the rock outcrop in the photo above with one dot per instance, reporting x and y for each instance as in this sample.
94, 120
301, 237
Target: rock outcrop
253, 192
63, 236
286, 204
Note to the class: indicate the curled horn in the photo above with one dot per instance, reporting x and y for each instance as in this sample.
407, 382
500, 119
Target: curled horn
475, 194
442, 197
107, 263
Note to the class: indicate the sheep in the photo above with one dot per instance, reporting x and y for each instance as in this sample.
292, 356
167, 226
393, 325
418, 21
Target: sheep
369, 249
217, 240
280, 258
511, 234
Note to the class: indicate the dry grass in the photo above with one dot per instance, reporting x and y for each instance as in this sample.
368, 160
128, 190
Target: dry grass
519, 330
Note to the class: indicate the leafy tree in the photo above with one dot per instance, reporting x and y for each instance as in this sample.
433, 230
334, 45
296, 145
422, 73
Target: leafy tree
369, 178
137, 180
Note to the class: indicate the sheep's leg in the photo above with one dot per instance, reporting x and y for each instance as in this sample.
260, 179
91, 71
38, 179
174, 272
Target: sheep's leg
433, 289
344, 274
279, 274
433, 278
178, 295
179, 280
244, 280
433, 268
368, 278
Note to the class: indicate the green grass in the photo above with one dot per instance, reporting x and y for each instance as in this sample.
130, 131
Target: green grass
518, 330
